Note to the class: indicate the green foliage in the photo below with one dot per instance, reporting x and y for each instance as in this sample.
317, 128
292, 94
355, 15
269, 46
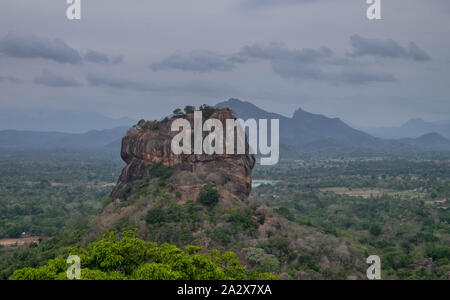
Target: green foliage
178, 112
285, 212
140, 125
125, 191
106, 201
147, 125
36, 255
375, 230
439, 253
222, 235
155, 216
154, 125
262, 261
162, 172
306, 262
207, 111
44, 191
383, 206
208, 195
128, 258
189, 109
242, 221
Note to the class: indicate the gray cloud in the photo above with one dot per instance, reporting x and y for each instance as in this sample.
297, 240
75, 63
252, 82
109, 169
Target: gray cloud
196, 61
276, 52
50, 79
35, 47
9, 79
117, 60
364, 77
101, 58
386, 48
96, 57
209, 89
309, 64
117, 83
418, 54
263, 3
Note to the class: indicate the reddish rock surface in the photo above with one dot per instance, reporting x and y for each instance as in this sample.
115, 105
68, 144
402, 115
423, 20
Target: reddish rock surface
141, 149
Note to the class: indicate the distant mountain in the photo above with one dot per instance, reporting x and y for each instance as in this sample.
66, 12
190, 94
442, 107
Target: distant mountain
29, 140
412, 129
59, 121
432, 141
312, 133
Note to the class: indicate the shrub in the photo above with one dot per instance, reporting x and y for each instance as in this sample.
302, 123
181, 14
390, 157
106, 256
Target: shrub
125, 191
154, 125
285, 212
162, 172
207, 111
440, 253
241, 222
155, 216
177, 112
106, 201
222, 235
189, 109
262, 261
375, 230
140, 125
208, 196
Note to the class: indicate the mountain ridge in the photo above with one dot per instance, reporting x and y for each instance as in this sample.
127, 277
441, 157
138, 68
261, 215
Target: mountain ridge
17, 139
315, 133
413, 128
304, 133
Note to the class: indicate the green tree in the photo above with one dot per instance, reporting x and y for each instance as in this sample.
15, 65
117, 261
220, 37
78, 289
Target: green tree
141, 124
207, 111
177, 112
189, 109
208, 195
111, 258
375, 230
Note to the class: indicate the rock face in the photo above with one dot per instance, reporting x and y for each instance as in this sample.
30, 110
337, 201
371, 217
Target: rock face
141, 149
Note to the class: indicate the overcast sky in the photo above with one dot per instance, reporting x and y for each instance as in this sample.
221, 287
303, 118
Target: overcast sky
142, 59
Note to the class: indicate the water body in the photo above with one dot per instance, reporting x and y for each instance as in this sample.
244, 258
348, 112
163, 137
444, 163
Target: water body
258, 182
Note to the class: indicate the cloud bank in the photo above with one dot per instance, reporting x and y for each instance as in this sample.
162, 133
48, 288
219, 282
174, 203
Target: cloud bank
386, 49
31, 46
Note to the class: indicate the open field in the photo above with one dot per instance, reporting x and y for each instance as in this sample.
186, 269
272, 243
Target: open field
19, 241
373, 192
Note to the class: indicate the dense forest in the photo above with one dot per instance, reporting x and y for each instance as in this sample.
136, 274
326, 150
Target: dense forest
396, 209
45, 191
305, 219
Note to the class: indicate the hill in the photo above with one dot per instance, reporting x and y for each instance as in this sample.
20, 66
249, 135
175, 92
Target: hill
412, 129
60, 121
433, 141
29, 140
317, 134
205, 201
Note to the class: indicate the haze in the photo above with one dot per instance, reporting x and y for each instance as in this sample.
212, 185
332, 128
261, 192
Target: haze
142, 59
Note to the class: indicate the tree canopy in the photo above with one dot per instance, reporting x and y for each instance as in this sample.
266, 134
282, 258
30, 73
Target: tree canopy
130, 258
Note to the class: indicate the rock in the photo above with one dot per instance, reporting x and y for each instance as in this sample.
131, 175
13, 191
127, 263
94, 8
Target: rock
446, 276
141, 149
426, 263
